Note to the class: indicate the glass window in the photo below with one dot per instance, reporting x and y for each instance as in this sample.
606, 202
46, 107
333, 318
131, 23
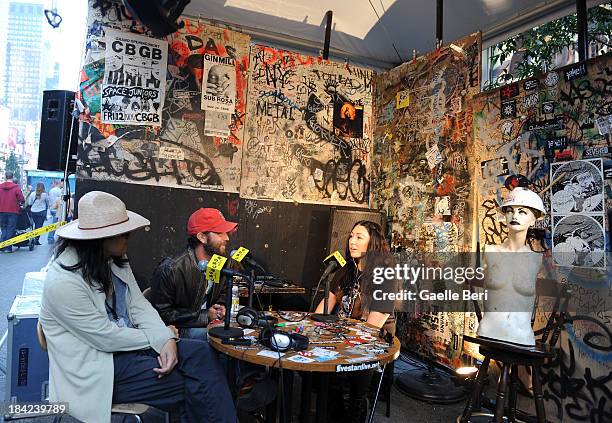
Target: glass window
548, 46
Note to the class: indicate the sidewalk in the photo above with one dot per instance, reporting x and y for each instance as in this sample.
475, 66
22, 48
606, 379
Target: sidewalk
14, 267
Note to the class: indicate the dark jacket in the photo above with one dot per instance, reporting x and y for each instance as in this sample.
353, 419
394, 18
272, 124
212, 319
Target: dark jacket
10, 197
178, 290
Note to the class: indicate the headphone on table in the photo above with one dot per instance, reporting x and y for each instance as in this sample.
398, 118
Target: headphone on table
278, 340
248, 317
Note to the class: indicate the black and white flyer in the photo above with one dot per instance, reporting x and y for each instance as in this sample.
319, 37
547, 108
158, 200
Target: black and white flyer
134, 79
219, 84
578, 213
579, 241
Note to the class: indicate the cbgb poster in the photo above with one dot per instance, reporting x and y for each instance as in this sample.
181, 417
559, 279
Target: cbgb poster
134, 79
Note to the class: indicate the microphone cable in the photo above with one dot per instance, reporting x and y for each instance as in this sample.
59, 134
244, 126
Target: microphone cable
314, 294
281, 385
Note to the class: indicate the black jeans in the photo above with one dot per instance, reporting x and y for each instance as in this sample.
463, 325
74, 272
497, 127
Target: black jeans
196, 387
39, 219
8, 222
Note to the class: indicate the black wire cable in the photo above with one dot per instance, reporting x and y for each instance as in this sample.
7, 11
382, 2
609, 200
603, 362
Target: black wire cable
281, 386
386, 32
314, 295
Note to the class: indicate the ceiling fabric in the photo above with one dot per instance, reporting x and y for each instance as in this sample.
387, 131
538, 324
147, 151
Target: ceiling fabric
382, 33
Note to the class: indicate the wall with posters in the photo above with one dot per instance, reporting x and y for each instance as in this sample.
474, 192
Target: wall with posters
193, 157
308, 134
153, 124
421, 170
555, 130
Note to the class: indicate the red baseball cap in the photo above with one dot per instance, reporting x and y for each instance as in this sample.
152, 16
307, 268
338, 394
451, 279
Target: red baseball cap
208, 220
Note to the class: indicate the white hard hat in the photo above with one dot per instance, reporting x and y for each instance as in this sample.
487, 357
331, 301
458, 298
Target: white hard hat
520, 196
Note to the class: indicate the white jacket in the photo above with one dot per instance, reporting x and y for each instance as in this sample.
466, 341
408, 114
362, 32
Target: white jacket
81, 339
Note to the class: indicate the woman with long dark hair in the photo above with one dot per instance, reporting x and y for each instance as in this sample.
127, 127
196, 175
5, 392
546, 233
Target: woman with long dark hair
106, 343
352, 295
39, 203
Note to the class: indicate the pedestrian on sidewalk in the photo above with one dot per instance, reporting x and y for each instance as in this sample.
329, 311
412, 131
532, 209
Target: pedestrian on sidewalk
11, 199
39, 203
55, 193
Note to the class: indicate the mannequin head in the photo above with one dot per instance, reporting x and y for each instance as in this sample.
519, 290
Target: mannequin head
520, 218
526, 198
521, 208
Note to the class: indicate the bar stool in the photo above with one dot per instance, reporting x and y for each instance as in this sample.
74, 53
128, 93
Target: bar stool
510, 356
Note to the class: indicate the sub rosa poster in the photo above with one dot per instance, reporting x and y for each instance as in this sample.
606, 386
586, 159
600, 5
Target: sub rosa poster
134, 79
219, 85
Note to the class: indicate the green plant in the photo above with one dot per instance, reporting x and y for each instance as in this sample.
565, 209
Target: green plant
12, 165
538, 47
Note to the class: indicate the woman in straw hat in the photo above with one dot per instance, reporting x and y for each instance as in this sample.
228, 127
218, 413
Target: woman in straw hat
106, 343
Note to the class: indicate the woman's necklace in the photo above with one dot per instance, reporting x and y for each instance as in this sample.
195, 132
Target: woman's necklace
355, 293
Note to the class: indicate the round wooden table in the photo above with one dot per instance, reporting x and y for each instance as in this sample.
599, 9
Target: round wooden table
352, 348
358, 346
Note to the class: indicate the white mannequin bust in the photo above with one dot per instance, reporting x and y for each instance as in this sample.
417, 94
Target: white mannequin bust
511, 272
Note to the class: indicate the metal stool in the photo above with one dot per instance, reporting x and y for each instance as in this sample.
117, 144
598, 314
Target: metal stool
510, 356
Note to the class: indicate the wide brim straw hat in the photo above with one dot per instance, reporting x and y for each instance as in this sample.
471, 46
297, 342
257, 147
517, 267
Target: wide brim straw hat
101, 215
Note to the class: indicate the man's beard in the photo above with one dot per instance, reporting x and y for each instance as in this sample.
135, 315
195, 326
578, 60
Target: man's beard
214, 249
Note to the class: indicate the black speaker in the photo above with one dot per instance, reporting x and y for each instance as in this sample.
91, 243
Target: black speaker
342, 222
55, 125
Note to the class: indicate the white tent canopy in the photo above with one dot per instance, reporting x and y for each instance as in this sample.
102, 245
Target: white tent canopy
378, 32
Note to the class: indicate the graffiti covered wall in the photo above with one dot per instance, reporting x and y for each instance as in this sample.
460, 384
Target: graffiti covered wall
422, 135
193, 148
555, 130
308, 135
421, 172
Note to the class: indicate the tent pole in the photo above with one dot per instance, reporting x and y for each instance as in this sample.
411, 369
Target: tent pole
439, 22
583, 43
328, 29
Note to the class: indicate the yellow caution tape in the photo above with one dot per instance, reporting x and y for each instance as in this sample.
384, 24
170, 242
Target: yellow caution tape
31, 234
213, 270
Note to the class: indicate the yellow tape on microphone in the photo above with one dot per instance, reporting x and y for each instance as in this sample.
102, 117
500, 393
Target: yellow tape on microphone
213, 270
32, 234
240, 254
337, 256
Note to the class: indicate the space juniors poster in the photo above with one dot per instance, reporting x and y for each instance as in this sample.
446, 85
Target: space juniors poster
134, 79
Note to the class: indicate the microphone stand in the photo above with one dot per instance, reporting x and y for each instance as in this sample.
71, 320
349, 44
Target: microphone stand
225, 331
325, 317
251, 287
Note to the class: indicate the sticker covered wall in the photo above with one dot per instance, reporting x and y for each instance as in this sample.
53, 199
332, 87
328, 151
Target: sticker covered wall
552, 131
421, 173
309, 130
422, 136
191, 146
543, 127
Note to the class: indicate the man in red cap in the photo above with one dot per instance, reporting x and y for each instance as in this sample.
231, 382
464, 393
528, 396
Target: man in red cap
179, 290
11, 198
